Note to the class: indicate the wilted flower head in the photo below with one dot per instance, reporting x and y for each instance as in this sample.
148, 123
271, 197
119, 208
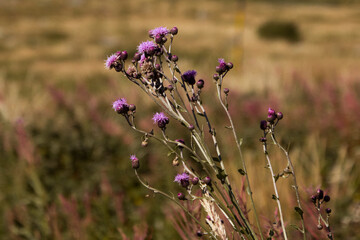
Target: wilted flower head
189, 77
146, 47
160, 119
110, 61
183, 179
120, 105
162, 31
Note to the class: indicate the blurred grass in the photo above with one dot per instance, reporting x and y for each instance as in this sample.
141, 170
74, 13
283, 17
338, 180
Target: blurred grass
64, 153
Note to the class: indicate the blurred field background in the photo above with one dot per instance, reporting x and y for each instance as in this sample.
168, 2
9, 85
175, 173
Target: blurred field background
64, 164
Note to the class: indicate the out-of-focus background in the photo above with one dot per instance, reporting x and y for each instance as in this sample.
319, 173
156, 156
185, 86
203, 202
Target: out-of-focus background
64, 154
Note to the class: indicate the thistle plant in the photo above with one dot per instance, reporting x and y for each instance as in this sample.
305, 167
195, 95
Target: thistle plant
179, 96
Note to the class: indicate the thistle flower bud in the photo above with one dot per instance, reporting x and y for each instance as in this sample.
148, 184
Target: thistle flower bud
132, 107
199, 233
151, 51
216, 76
279, 115
174, 58
181, 196
207, 180
174, 30
137, 57
195, 180
158, 39
134, 162
271, 118
226, 91
326, 198
320, 194
158, 67
229, 65
328, 210
263, 125
164, 39
313, 199
319, 227
123, 55
200, 84
118, 67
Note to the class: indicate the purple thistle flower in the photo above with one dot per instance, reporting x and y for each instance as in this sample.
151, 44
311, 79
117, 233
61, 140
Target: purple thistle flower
183, 179
146, 47
271, 111
109, 62
121, 106
134, 161
162, 31
221, 61
222, 67
160, 119
189, 77
133, 158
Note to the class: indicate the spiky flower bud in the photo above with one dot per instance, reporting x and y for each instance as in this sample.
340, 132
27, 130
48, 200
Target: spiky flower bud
132, 107
226, 91
279, 115
207, 180
134, 162
328, 210
263, 125
174, 58
123, 55
320, 194
326, 198
195, 180
174, 30
200, 84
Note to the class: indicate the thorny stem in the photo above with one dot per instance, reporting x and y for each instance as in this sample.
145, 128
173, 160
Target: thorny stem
241, 156
275, 189
173, 199
296, 188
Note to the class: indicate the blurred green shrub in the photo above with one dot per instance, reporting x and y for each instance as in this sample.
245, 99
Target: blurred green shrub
280, 30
